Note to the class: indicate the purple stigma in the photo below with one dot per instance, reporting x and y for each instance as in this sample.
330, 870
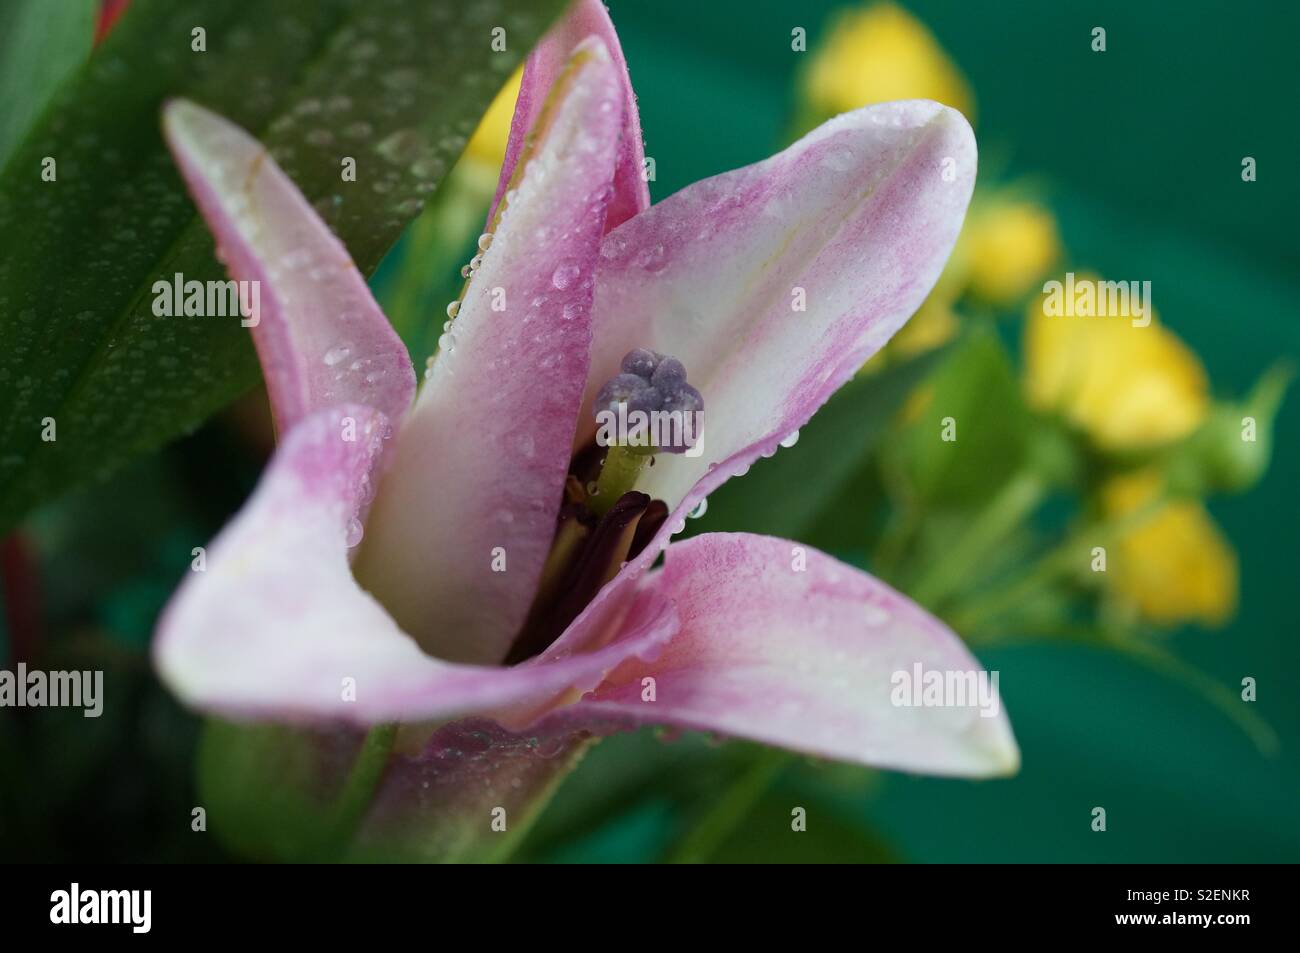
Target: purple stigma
649, 382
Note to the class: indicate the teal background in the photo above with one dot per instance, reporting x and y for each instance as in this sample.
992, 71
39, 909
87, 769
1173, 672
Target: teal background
1137, 150
1140, 151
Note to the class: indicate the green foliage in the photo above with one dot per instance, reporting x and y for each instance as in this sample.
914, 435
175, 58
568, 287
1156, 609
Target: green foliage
396, 84
40, 44
976, 387
816, 479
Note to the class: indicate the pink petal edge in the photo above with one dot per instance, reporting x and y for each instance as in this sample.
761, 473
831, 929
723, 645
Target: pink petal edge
465, 518
275, 626
584, 18
860, 214
798, 658
320, 336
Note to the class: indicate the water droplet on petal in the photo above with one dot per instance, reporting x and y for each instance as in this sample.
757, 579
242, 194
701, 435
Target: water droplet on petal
453, 309
336, 354
790, 440
701, 508
875, 615
564, 276
352, 536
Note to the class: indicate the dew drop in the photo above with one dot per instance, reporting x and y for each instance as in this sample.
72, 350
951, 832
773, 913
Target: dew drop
354, 533
790, 440
564, 276
453, 308
701, 508
336, 354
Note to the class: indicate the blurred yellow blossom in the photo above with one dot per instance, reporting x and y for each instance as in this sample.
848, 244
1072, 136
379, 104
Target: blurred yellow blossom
1174, 566
1011, 243
488, 144
1127, 387
876, 54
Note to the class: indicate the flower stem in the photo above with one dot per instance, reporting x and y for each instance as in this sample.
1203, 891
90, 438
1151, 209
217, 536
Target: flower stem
1057, 562
1259, 731
617, 475
1013, 503
359, 788
709, 833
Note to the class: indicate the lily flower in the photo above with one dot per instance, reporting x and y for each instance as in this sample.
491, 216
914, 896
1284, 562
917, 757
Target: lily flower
459, 560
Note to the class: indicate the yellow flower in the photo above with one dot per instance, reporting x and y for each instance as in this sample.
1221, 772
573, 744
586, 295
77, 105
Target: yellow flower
878, 54
1175, 565
488, 144
1011, 244
1127, 387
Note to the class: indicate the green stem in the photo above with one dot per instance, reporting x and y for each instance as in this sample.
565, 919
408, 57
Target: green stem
359, 788
1259, 731
727, 813
1013, 503
1061, 561
618, 474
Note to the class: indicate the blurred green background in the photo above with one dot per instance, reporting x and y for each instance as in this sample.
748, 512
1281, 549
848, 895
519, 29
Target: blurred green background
1138, 151
1141, 147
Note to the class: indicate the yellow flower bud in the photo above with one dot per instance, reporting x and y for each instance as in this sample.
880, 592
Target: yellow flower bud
488, 144
1174, 566
1011, 245
1127, 387
878, 54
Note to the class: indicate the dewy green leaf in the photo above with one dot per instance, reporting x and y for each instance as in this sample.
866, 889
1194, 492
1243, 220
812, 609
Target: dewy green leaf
41, 43
92, 212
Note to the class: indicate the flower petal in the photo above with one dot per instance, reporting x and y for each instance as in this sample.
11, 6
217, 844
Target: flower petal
585, 18
276, 627
320, 336
854, 221
801, 658
465, 518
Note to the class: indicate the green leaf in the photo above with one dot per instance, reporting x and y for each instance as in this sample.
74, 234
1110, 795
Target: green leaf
398, 85
788, 494
766, 836
977, 388
40, 44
